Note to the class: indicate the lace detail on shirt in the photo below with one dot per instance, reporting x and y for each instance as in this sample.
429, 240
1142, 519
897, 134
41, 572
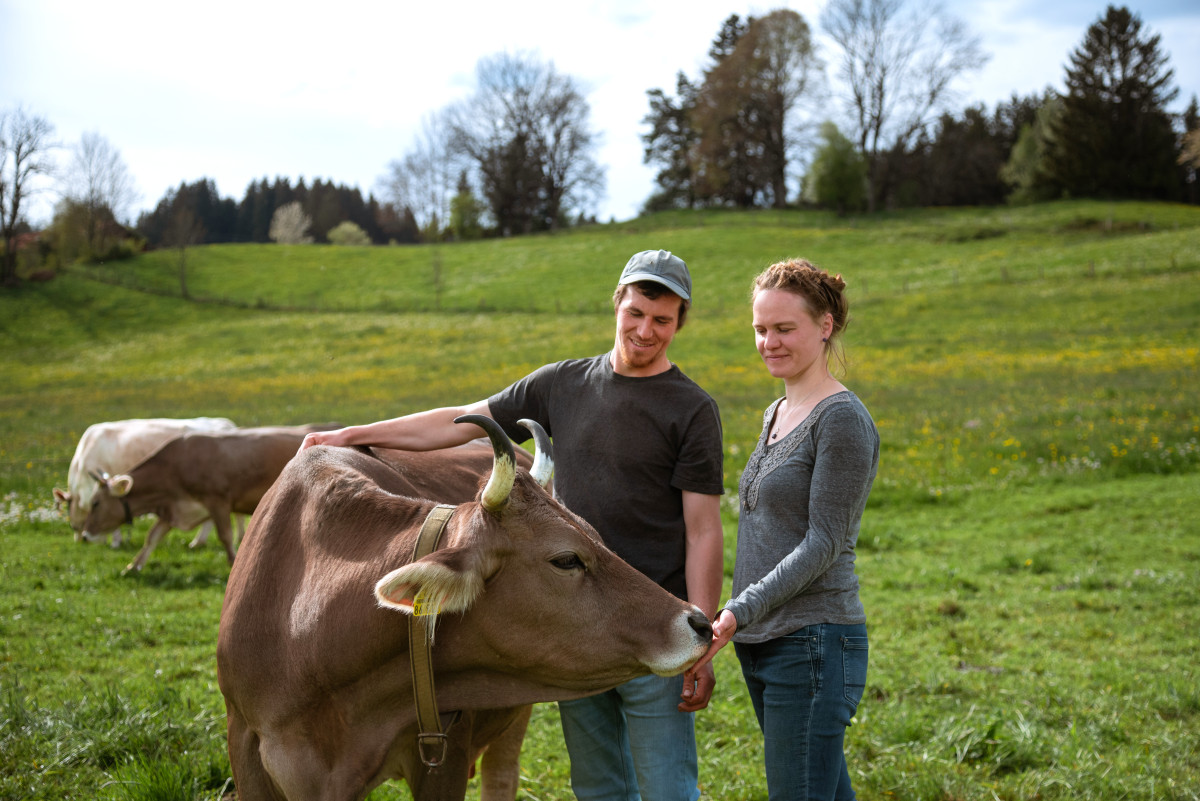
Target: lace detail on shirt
765, 459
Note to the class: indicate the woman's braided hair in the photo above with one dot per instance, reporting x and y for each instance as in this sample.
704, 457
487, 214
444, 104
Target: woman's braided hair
822, 293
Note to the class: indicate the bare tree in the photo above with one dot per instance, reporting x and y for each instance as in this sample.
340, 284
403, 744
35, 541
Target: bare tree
290, 225
899, 59
424, 180
24, 154
98, 182
527, 132
183, 231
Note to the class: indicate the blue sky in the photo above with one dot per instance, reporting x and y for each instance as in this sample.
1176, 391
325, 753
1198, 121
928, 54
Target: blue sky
237, 91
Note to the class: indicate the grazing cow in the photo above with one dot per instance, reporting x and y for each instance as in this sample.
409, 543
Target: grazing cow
527, 604
222, 471
118, 446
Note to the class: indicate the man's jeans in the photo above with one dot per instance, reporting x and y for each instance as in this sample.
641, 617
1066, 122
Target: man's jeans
805, 688
631, 739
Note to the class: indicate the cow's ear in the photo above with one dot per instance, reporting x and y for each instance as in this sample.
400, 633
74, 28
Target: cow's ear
445, 581
61, 495
120, 486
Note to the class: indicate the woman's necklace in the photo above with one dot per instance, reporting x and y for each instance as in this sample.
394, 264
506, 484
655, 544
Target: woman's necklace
791, 408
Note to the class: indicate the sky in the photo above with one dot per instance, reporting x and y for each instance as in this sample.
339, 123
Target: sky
239, 91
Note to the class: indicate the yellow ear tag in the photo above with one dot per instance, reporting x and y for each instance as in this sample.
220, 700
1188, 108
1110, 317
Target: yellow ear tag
422, 607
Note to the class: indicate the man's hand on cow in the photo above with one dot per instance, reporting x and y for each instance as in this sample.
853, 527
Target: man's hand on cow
698, 684
316, 438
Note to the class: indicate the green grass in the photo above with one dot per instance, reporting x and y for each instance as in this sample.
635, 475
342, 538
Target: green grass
1028, 558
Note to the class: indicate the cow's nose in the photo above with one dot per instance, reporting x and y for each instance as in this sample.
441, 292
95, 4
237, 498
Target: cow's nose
700, 624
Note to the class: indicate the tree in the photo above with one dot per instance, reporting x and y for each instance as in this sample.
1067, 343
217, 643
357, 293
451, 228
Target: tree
1189, 152
898, 61
837, 177
777, 60
183, 231
92, 234
670, 143
1115, 137
465, 212
423, 180
1026, 169
526, 131
730, 138
98, 182
348, 234
25, 147
218, 217
959, 165
726, 160
290, 225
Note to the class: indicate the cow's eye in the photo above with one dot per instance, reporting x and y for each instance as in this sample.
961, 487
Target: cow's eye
567, 561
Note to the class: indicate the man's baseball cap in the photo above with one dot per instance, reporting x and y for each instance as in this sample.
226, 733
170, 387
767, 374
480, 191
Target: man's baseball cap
661, 267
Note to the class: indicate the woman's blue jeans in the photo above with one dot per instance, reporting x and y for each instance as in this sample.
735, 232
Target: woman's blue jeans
805, 688
632, 743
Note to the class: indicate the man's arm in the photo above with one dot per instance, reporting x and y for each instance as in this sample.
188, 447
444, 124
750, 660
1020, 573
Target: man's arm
705, 562
704, 569
421, 431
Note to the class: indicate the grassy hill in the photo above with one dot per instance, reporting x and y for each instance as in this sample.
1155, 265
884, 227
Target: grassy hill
1029, 556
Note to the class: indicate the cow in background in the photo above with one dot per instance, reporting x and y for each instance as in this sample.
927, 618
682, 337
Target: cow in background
313, 654
224, 472
116, 447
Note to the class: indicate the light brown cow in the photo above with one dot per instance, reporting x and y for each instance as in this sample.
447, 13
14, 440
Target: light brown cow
117, 446
223, 471
313, 660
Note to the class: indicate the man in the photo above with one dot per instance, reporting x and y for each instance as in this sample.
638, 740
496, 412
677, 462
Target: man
637, 450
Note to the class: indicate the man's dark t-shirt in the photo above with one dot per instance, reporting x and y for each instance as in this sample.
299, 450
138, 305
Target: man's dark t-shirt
624, 450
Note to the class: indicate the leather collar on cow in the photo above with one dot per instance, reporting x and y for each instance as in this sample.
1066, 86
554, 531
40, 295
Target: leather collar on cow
128, 512
431, 736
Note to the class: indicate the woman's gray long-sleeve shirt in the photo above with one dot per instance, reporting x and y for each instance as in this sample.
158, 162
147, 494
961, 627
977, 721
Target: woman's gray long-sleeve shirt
802, 499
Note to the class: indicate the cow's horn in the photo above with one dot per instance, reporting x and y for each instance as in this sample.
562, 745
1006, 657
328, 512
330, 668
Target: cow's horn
543, 452
504, 462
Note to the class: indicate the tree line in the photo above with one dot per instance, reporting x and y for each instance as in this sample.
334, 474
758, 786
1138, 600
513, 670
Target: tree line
761, 105
765, 124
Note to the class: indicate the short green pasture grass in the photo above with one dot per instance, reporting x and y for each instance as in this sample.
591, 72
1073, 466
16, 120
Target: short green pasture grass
1037, 643
1028, 558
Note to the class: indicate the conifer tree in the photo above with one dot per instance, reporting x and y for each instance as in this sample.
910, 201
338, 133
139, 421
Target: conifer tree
1114, 137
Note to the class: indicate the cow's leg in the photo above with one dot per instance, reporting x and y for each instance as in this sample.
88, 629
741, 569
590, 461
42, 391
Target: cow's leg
116, 536
201, 537
250, 776
220, 513
157, 531
501, 766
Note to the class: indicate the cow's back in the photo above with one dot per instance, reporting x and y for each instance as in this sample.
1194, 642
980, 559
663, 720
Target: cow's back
238, 466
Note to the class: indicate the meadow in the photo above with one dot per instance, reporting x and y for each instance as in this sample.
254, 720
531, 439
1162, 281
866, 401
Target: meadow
1030, 556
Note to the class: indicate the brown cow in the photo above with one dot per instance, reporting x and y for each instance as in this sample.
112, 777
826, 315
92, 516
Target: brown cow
314, 663
223, 471
452, 475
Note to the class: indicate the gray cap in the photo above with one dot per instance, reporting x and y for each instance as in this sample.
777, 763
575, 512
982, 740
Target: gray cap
660, 267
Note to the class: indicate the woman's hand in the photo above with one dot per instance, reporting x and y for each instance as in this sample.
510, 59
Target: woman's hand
723, 628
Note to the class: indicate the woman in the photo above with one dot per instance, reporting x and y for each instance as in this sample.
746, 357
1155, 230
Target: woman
795, 618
